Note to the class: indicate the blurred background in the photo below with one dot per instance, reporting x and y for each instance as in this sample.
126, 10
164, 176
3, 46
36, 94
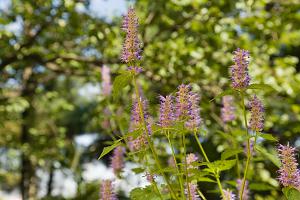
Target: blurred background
54, 120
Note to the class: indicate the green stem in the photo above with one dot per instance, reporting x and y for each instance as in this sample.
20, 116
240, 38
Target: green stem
154, 183
248, 146
148, 139
201, 194
185, 166
207, 160
227, 129
237, 166
174, 157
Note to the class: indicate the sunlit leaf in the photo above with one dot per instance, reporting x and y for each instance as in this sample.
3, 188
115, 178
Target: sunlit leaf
230, 152
269, 137
291, 193
108, 149
120, 82
274, 159
260, 87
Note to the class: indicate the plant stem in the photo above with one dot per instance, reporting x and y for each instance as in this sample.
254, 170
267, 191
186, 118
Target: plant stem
201, 194
207, 160
228, 129
185, 166
154, 183
174, 157
248, 146
149, 140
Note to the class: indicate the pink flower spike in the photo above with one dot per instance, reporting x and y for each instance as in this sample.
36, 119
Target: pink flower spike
289, 174
107, 192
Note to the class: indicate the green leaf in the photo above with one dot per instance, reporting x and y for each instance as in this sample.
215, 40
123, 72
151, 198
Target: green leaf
144, 193
120, 82
206, 179
229, 153
291, 193
260, 187
108, 149
138, 170
260, 87
274, 159
221, 165
269, 137
224, 93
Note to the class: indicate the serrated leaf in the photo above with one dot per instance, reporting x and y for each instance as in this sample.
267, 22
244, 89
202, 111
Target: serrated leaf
206, 179
224, 93
221, 165
291, 193
120, 82
229, 153
260, 186
108, 149
260, 87
274, 159
269, 137
144, 193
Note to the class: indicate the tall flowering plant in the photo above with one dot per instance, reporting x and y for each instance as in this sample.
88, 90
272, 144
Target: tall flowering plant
161, 144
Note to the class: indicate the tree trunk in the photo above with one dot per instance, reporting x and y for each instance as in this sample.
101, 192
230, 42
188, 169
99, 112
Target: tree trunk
50, 181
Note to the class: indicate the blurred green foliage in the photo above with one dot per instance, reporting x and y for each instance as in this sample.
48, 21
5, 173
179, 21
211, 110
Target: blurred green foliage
58, 50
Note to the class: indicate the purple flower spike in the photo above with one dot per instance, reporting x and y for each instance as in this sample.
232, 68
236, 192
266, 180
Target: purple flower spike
257, 115
106, 81
117, 160
131, 48
228, 110
191, 192
239, 71
246, 193
190, 159
150, 177
194, 120
228, 195
166, 111
107, 192
289, 174
182, 103
137, 123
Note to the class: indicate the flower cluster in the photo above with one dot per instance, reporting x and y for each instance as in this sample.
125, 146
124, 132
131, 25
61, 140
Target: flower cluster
166, 111
131, 49
106, 82
228, 110
194, 119
137, 123
289, 174
257, 114
182, 103
239, 71
150, 177
117, 160
190, 159
246, 193
106, 191
191, 191
228, 195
